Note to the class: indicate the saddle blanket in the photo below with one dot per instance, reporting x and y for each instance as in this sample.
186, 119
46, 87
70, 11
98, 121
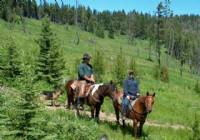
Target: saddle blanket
95, 87
132, 103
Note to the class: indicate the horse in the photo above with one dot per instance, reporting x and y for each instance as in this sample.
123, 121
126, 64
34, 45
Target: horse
70, 94
137, 112
94, 99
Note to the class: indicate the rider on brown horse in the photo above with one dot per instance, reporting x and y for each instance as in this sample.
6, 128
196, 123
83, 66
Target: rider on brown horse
131, 92
85, 76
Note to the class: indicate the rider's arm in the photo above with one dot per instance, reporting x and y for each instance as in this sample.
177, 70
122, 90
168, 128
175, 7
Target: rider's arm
87, 78
92, 78
81, 71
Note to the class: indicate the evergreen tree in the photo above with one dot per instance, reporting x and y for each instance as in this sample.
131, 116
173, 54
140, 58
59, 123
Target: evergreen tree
11, 67
160, 11
111, 32
35, 9
119, 71
98, 64
19, 112
100, 31
50, 63
91, 25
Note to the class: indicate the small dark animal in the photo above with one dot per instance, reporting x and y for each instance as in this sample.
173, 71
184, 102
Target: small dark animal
51, 95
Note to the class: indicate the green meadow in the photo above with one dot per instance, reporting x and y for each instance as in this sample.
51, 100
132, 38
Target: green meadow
176, 102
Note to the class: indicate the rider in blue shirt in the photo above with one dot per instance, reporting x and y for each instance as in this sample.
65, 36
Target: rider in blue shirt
131, 92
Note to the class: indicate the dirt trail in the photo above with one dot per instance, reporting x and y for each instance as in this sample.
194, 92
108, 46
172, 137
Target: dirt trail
109, 117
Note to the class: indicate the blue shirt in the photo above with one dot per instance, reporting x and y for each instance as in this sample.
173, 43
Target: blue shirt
131, 87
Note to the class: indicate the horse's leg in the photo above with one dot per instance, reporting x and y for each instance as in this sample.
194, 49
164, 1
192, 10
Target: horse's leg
98, 107
73, 100
116, 113
140, 129
92, 111
68, 101
135, 131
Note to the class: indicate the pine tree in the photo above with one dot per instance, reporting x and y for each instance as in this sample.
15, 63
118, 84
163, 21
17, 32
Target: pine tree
17, 116
91, 25
12, 64
35, 10
50, 63
160, 12
111, 32
119, 71
98, 64
100, 31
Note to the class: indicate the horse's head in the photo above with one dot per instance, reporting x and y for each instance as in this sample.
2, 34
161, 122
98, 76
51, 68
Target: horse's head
149, 101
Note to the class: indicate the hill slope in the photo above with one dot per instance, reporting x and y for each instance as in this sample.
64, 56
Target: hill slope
176, 101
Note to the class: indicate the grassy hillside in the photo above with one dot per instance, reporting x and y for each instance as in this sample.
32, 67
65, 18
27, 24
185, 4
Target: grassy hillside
176, 101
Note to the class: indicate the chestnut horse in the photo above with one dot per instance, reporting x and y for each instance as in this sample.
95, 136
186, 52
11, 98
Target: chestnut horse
94, 100
138, 112
70, 94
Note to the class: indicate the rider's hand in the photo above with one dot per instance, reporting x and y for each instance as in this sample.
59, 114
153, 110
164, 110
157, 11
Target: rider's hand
92, 80
128, 97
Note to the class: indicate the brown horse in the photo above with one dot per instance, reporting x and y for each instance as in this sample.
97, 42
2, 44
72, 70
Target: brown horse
138, 113
94, 99
70, 94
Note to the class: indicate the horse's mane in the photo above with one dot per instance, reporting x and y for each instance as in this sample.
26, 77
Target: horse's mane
142, 99
104, 88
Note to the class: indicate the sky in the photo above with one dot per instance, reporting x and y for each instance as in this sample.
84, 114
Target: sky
147, 6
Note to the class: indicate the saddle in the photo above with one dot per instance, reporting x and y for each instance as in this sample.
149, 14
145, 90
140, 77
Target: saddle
75, 85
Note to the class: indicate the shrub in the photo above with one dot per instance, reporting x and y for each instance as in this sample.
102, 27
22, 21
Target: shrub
119, 71
164, 75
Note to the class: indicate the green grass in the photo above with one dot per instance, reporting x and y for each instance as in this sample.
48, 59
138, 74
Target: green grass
176, 102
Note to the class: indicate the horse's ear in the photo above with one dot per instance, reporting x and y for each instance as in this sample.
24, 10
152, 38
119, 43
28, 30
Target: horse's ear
147, 93
154, 94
